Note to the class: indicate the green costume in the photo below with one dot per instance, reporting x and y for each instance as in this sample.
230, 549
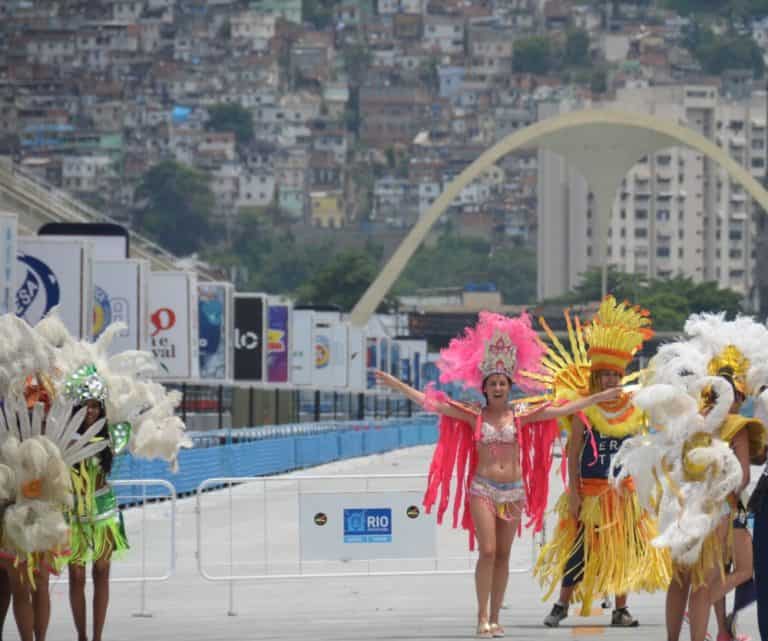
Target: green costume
96, 523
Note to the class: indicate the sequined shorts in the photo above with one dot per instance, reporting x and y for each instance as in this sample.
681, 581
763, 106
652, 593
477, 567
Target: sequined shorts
505, 500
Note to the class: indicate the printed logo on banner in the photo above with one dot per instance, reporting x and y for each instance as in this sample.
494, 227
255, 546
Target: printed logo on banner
277, 343
249, 329
211, 327
107, 310
322, 351
39, 290
367, 525
163, 320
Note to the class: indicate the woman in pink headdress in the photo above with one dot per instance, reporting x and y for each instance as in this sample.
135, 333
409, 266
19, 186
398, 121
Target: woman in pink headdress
501, 454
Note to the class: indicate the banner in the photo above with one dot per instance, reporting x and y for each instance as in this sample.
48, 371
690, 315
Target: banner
120, 294
278, 340
404, 362
173, 323
371, 361
394, 358
412, 354
249, 337
329, 334
384, 354
302, 347
8, 248
357, 361
109, 240
215, 326
51, 272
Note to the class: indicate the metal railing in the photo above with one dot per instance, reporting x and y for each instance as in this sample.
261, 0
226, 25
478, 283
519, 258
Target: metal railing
461, 563
143, 501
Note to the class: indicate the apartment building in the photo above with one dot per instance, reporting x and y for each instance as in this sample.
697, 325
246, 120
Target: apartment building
677, 212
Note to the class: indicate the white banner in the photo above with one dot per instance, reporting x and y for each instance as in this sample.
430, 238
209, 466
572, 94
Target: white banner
216, 323
54, 272
357, 374
329, 336
173, 323
341, 526
302, 347
8, 248
121, 293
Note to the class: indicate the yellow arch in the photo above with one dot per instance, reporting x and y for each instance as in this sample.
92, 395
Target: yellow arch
579, 136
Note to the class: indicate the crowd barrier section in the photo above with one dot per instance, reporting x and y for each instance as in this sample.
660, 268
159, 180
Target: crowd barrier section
152, 539
264, 451
307, 526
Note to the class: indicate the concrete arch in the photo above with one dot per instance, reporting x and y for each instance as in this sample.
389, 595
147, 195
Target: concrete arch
602, 145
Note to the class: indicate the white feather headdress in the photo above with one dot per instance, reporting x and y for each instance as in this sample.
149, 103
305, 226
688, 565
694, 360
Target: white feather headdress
132, 396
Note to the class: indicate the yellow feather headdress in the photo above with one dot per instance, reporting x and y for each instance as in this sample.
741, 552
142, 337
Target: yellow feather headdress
615, 334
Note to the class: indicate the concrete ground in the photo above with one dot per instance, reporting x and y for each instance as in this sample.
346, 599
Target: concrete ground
189, 608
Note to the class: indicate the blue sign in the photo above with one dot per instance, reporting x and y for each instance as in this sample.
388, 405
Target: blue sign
368, 525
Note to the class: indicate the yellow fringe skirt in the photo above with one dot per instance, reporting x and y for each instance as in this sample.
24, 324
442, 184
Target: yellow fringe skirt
608, 551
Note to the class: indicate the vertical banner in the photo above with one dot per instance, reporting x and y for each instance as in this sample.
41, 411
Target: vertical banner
384, 354
412, 354
215, 326
302, 347
358, 360
51, 272
173, 323
394, 358
278, 340
405, 372
120, 294
8, 247
329, 335
250, 310
371, 361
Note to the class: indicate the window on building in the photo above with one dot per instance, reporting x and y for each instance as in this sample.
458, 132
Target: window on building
663, 215
641, 214
641, 233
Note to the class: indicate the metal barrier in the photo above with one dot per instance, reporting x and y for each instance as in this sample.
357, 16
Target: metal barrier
277, 546
279, 449
134, 493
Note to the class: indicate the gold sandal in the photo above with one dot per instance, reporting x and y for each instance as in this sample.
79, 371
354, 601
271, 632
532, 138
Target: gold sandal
497, 632
484, 631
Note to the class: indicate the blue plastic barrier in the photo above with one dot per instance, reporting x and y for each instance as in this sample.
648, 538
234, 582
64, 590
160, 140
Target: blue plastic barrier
275, 449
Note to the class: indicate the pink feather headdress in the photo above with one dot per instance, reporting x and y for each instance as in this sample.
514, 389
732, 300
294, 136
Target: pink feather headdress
497, 344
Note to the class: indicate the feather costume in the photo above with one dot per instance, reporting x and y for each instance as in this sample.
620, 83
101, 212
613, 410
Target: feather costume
607, 550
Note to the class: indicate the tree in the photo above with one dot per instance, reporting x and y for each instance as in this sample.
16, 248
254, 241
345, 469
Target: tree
342, 281
319, 13
532, 55
729, 51
178, 206
577, 47
670, 301
513, 269
598, 82
231, 117
357, 59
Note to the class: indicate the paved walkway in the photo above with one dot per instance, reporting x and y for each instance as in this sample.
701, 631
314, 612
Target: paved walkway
388, 608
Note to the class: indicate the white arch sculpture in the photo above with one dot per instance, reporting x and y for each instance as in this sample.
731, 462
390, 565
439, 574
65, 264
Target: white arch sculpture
602, 145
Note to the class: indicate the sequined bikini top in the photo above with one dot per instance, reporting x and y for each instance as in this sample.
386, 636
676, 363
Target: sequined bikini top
490, 434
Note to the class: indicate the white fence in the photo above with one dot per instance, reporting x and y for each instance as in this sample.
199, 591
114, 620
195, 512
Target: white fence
314, 526
151, 529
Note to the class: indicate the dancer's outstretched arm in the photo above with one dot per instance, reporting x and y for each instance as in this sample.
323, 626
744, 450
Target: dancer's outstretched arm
547, 412
387, 380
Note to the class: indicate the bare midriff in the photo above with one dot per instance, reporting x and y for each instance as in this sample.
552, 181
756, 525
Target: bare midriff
499, 461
